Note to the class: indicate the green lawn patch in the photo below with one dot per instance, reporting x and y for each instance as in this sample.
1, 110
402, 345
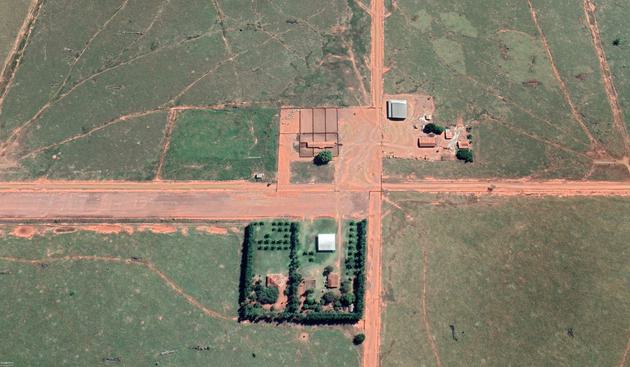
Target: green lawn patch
223, 145
310, 173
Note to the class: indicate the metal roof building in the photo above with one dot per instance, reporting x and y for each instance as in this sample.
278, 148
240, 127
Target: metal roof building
326, 242
396, 109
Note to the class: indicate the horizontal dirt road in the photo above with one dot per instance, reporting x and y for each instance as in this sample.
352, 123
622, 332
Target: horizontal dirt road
192, 204
515, 187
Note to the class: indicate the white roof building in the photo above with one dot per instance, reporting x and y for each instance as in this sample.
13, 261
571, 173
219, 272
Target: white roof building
326, 242
397, 109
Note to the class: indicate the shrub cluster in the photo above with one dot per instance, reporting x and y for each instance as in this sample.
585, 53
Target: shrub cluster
433, 128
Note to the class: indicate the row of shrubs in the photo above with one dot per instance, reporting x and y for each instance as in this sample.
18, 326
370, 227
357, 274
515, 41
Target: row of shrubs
254, 311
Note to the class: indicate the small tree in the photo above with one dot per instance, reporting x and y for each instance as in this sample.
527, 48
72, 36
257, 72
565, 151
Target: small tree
323, 157
358, 339
433, 128
328, 269
465, 155
330, 297
347, 299
267, 295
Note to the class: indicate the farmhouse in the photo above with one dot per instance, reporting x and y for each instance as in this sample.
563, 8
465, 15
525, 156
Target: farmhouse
332, 280
326, 242
396, 109
448, 134
427, 142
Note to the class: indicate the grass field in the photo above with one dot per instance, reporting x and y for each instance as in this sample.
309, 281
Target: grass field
511, 275
78, 313
87, 65
489, 66
223, 145
307, 173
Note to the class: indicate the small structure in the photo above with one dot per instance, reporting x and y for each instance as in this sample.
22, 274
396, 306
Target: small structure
278, 281
463, 144
326, 242
396, 109
448, 134
427, 142
309, 283
259, 176
332, 280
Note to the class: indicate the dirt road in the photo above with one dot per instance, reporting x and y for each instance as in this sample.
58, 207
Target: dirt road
192, 204
372, 319
515, 187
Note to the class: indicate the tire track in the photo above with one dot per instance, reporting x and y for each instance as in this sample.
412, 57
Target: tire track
118, 260
425, 313
563, 87
607, 78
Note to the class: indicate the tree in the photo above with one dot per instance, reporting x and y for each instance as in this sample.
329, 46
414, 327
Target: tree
266, 295
323, 157
358, 339
347, 299
346, 286
330, 297
465, 155
616, 42
328, 269
433, 128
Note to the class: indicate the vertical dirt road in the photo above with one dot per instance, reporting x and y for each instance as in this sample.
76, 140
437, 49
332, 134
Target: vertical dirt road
372, 318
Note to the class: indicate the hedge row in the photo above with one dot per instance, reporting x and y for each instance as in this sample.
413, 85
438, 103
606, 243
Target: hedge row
361, 258
247, 264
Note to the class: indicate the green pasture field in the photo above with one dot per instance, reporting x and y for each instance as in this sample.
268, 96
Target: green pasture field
79, 313
310, 173
512, 276
223, 145
487, 65
88, 64
612, 18
12, 13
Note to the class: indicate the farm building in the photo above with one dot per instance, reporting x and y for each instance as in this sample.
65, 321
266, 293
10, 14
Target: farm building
326, 242
332, 280
427, 142
396, 109
463, 144
319, 131
448, 134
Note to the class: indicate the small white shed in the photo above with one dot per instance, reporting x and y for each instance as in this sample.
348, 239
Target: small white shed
326, 242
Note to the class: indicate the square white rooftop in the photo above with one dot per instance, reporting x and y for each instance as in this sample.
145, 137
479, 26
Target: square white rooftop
326, 242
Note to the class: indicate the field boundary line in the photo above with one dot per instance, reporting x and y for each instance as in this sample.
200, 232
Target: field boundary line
166, 142
607, 78
563, 87
425, 313
14, 57
144, 263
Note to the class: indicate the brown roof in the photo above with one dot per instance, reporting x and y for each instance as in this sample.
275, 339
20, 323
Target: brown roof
276, 280
463, 144
322, 144
427, 142
318, 130
332, 280
448, 134
309, 283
